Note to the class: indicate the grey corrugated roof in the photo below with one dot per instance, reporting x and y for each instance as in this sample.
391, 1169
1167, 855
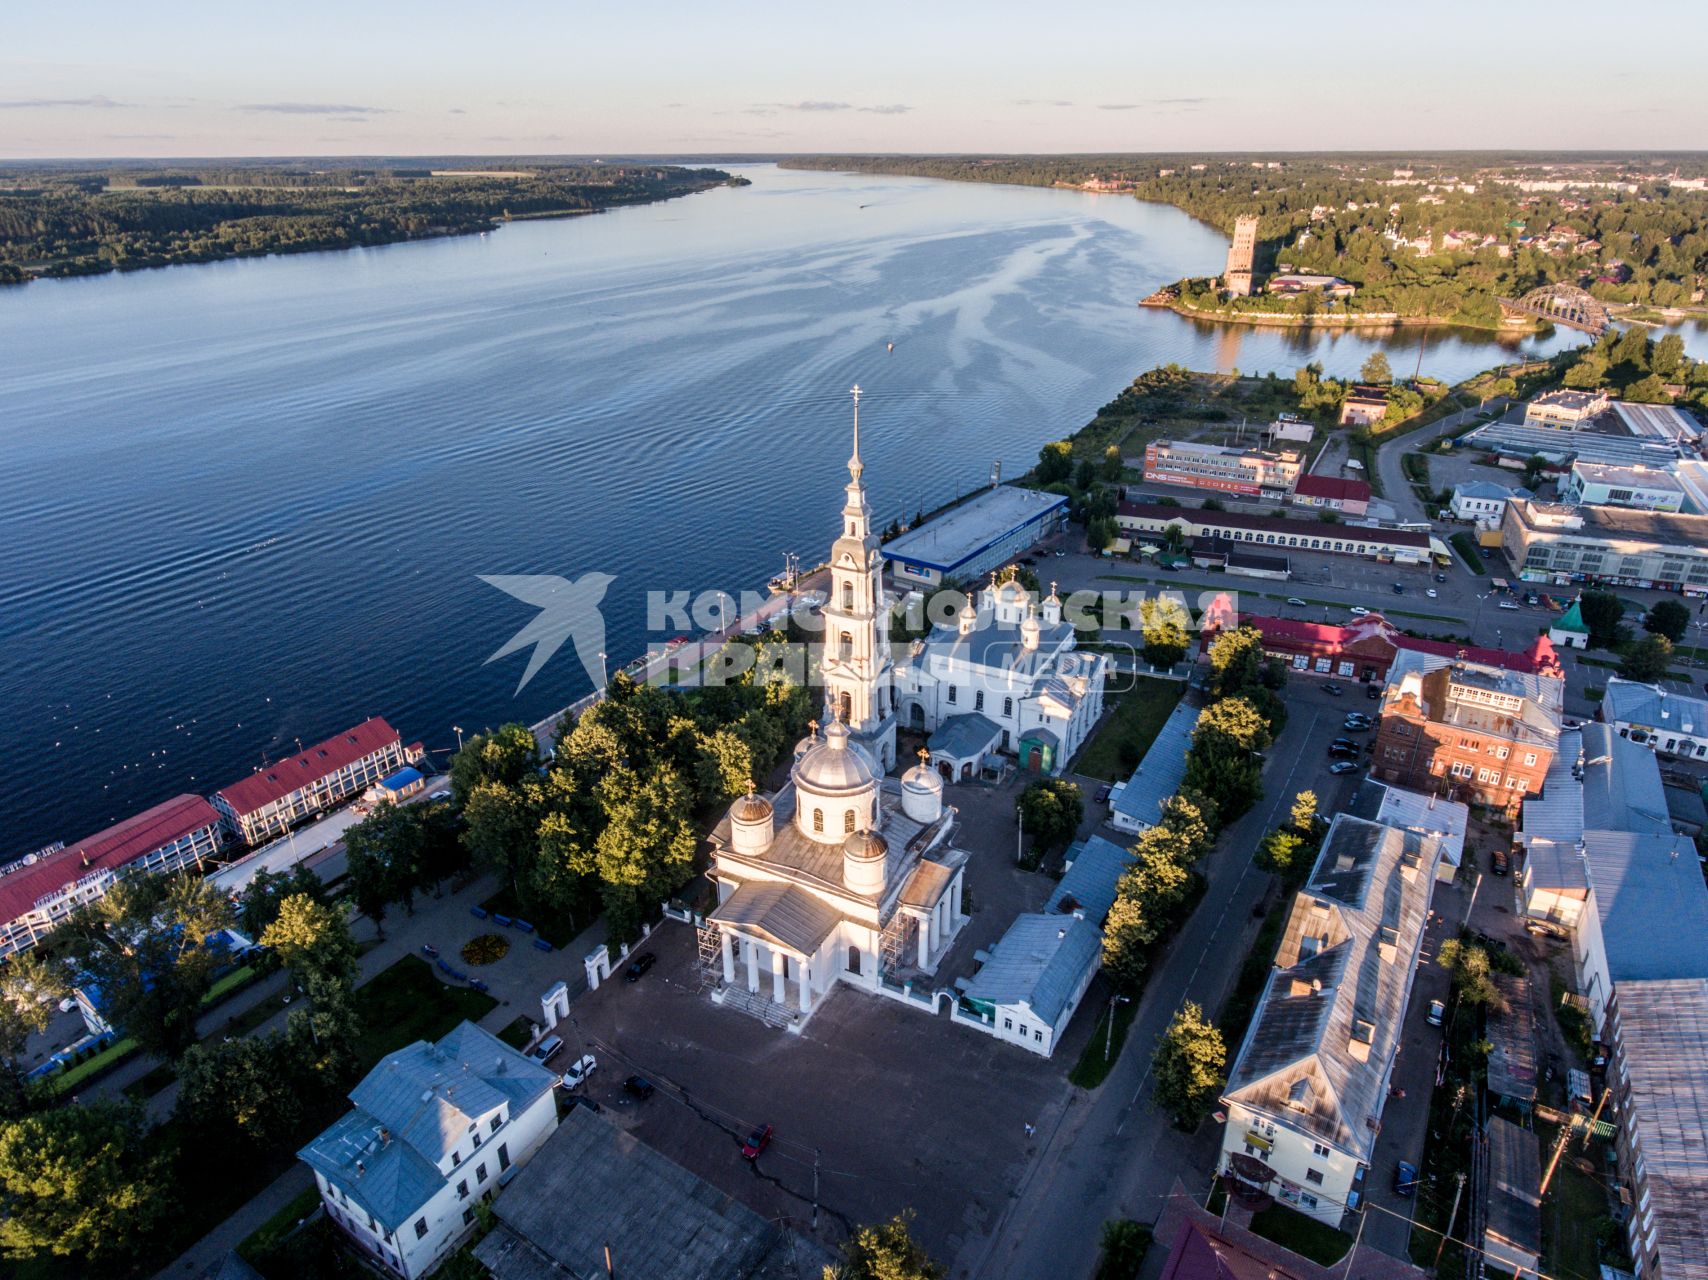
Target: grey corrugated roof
1650, 706
1039, 962
783, 913
1557, 814
997, 646
593, 1185
1622, 788
1512, 1035
1486, 489
948, 541
1163, 769
1662, 1032
412, 1109
1653, 904
1369, 890
965, 735
1515, 1188
1430, 814
1098, 865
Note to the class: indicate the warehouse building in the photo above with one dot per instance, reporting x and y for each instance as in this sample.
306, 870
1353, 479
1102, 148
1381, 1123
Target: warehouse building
1601, 484
1550, 542
970, 540
1401, 546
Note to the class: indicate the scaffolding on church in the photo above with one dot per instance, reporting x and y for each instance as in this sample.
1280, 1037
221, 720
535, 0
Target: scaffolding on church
892, 945
710, 940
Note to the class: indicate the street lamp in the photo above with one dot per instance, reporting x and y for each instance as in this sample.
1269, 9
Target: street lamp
1109, 1035
458, 730
604, 680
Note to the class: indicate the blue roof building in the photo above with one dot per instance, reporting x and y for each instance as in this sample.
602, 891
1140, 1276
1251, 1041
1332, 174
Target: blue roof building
970, 540
1159, 775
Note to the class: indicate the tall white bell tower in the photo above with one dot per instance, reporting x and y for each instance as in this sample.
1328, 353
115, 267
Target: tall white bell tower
858, 684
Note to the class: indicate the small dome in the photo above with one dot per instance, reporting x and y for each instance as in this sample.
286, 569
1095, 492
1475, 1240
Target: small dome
834, 766
923, 778
866, 846
751, 808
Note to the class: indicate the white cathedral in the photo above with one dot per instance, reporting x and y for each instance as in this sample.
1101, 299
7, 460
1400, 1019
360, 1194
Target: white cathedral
847, 875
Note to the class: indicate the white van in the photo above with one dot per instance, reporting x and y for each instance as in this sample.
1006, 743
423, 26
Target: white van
546, 1049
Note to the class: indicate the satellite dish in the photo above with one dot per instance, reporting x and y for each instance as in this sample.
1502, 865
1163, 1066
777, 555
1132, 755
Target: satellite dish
30, 859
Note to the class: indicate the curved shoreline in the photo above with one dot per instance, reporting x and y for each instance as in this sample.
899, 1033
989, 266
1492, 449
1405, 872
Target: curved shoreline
1377, 320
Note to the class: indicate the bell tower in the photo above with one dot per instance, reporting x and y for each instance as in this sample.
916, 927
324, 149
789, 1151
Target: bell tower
855, 662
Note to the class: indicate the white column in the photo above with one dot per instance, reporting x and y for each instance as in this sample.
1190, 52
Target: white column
924, 941
777, 992
959, 889
806, 987
729, 956
940, 917
752, 967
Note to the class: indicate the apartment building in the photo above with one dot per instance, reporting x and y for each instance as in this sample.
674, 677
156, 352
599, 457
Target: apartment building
1222, 468
1474, 732
39, 890
1550, 542
272, 800
1565, 409
434, 1130
1665, 720
1333, 493
1305, 1093
1401, 546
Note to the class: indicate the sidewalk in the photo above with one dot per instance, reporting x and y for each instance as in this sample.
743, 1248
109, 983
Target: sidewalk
205, 1256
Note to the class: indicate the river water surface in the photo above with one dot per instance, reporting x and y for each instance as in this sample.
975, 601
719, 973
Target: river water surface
247, 502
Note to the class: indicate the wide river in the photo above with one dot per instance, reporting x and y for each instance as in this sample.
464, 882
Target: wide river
247, 502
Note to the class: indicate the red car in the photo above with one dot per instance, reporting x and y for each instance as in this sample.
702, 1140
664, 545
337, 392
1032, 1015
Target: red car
756, 1142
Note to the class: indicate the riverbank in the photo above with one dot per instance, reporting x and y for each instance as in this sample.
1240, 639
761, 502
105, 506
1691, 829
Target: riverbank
1165, 300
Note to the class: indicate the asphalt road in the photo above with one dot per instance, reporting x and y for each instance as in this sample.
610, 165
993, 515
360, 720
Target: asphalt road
1396, 489
1113, 1154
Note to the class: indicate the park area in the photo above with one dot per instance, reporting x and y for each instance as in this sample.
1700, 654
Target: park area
1130, 724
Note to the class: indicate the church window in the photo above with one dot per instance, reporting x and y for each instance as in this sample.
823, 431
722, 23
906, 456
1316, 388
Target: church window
847, 595
818, 819
853, 959
952, 692
847, 707
978, 700
848, 822
1007, 707
845, 646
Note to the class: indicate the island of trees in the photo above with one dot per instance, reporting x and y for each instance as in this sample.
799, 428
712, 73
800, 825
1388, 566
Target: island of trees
1424, 239
63, 220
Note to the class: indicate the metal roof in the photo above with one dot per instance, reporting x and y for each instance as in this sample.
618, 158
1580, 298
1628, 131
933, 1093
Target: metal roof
1428, 814
293, 773
1652, 707
1487, 489
964, 736
786, 915
1040, 963
1098, 864
1515, 1194
1163, 769
593, 1186
1652, 902
1515, 439
1512, 1037
948, 541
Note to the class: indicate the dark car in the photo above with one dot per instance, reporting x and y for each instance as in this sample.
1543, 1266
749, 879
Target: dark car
1441, 577
641, 964
1372, 691
1351, 744
1103, 794
1405, 1178
1333, 690
1344, 766
1344, 753
639, 1087
756, 1142
1399, 590
1498, 862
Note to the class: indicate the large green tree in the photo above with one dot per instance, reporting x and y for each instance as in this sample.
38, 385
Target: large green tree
505, 755
315, 944
1469, 965
1050, 811
1376, 368
1236, 661
30, 989
1669, 618
886, 1251
1164, 625
1648, 660
241, 1092
1055, 462
86, 1182
1188, 1066
1602, 613
259, 906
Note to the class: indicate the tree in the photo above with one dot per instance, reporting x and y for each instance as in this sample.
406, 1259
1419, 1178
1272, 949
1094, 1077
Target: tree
1376, 369
1236, 661
1126, 936
314, 942
1668, 356
1158, 879
1114, 465
1602, 611
1188, 1065
1084, 475
502, 828
1648, 660
646, 851
149, 946
885, 1252
1050, 811
260, 905
1647, 390
1283, 853
1304, 814
30, 988
1192, 818
240, 1091
1469, 966
1534, 466
1669, 618
1234, 722
1125, 1244
1163, 623
85, 1182
506, 755
1100, 532
386, 851
1055, 462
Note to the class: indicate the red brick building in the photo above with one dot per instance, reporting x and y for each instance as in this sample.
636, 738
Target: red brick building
1332, 493
1477, 733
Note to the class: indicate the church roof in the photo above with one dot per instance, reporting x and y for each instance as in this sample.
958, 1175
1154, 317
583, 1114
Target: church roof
926, 885
1571, 620
834, 766
966, 735
785, 915
997, 646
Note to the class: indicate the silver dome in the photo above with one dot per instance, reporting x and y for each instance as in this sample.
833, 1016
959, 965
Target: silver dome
834, 766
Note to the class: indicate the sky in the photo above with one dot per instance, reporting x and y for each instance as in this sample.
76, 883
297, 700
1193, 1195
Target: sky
97, 78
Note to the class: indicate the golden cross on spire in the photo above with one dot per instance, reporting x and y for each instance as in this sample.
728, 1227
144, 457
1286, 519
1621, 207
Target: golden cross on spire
813, 725
924, 755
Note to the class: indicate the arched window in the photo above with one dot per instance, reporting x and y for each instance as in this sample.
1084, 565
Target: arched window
853, 959
1007, 707
845, 646
848, 822
818, 820
847, 595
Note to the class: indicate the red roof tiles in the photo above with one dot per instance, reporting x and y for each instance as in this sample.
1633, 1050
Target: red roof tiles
1332, 488
118, 845
275, 782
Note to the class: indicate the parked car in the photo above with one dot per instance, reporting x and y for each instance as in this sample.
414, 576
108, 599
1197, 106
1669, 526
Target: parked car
1405, 1178
1351, 744
440, 795
756, 1143
1357, 726
637, 969
1343, 766
1294, 600
1373, 691
1436, 1014
1498, 862
546, 1049
577, 1075
1509, 604
1441, 577
1358, 611
1399, 589
1103, 794
639, 1087
1333, 690
1432, 593
1344, 753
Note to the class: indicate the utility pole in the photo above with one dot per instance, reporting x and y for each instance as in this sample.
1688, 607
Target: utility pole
1019, 832
815, 1153
1452, 1214
610, 1271
1554, 1160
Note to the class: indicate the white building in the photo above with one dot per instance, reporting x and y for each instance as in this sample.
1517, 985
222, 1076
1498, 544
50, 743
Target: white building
1481, 501
434, 1131
1305, 1094
1603, 484
1565, 409
1011, 666
1665, 720
969, 540
1158, 776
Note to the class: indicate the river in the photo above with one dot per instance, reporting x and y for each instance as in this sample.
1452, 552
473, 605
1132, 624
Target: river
247, 502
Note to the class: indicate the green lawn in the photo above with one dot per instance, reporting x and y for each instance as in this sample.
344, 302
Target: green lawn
1130, 725
1306, 1237
263, 1239
406, 1003
1093, 1068
515, 1032
557, 929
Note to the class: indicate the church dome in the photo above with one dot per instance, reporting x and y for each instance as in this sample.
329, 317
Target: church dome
864, 855
834, 766
752, 824
866, 845
752, 808
922, 793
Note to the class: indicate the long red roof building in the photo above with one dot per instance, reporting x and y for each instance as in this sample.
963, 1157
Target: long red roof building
1364, 649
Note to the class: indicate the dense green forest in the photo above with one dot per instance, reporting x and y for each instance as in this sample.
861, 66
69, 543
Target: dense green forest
61, 220
1441, 237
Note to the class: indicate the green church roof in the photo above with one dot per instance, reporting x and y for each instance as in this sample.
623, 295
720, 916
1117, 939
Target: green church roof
1571, 620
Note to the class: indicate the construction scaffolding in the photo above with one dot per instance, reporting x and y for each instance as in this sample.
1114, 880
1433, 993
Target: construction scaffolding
892, 945
711, 944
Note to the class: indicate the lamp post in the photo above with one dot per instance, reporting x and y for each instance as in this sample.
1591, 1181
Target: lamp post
458, 730
1109, 1035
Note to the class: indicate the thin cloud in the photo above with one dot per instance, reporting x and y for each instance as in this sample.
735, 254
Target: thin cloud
1118, 106
1041, 102
1152, 102
455, 111
889, 109
315, 109
814, 106
674, 106
96, 100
